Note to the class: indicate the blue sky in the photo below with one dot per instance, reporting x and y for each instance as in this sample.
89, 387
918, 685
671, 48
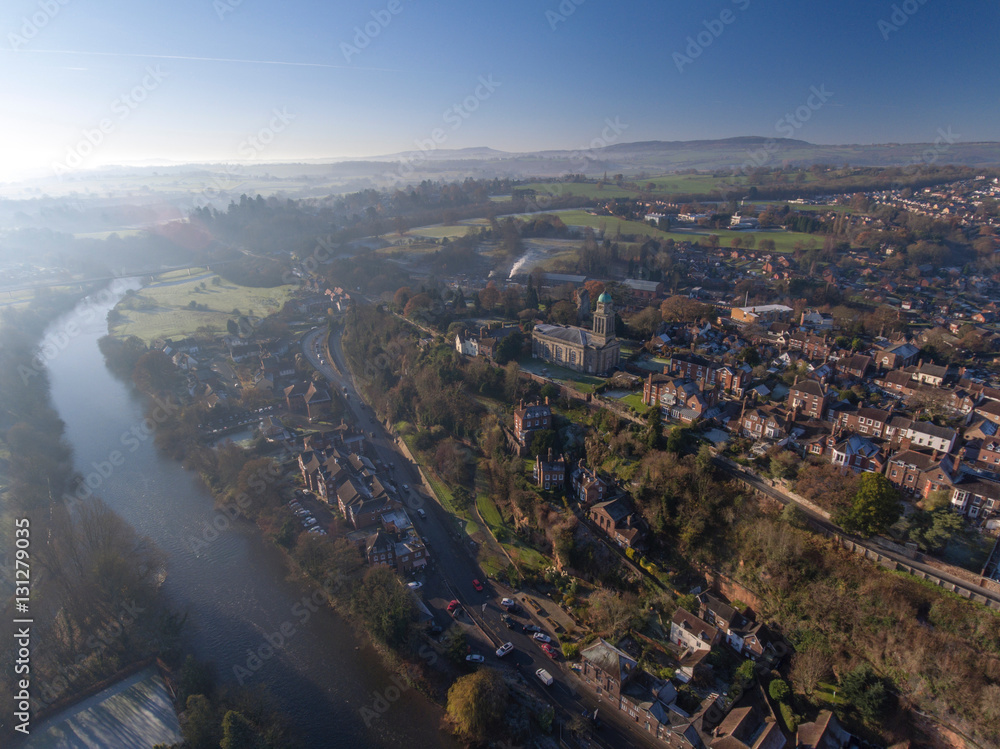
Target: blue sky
74, 71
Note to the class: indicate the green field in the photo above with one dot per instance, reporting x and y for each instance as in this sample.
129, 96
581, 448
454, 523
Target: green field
582, 189
106, 234
162, 309
784, 241
440, 231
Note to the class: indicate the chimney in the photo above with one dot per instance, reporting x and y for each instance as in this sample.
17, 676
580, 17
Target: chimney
520, 404
550, 455
546, 400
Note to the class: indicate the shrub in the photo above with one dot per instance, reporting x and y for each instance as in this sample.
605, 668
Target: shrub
779, 690
570, 650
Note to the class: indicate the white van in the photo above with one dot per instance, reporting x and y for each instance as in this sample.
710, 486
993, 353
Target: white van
544, 676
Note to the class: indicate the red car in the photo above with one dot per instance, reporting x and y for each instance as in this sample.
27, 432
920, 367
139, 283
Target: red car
477, 585
453, 606
550, 651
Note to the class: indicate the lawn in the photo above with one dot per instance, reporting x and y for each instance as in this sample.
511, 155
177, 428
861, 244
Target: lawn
582, 382
489, 512
163, 308
635, 401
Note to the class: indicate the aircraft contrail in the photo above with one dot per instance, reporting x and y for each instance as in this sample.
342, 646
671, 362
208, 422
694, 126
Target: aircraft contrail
207, 59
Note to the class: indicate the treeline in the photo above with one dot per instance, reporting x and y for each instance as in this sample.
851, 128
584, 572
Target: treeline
94, 587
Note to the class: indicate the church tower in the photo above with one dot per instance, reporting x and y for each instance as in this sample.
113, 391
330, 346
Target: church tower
604, 320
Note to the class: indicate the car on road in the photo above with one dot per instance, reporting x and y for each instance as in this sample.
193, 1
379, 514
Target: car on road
512, 624
477, 585
415, 585
421, 513
541, 637
532, 628
453, 606
504, 649
550, 651
474, 658
545, 677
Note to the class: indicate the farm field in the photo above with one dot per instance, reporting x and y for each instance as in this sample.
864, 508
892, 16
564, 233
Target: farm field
163, 309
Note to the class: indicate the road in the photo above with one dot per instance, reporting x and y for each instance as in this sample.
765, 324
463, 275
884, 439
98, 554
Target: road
454, 567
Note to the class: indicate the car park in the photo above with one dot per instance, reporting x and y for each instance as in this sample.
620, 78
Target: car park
504, 649
541, 637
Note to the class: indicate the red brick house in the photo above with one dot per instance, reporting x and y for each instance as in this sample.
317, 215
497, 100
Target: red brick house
531, 418
549, 473
809, 397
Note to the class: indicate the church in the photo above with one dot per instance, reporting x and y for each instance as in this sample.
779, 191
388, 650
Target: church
593, 351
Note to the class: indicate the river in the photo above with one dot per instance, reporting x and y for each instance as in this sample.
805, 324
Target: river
235, 588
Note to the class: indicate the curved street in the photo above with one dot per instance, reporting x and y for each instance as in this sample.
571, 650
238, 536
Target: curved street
454, 567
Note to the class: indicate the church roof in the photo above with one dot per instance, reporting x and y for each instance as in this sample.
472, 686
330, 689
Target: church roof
604, 297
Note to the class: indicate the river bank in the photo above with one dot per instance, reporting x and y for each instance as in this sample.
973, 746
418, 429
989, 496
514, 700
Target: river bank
235, 587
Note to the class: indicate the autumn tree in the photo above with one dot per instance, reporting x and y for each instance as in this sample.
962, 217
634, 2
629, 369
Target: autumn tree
477, 703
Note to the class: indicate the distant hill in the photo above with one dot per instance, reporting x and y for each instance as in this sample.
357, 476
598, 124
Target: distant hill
323, 176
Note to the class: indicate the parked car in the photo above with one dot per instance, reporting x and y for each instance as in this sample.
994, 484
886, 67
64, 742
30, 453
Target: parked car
477, 585
545, 677
550, 651
415, 585
541, 637
504, 649
532, 628
452, 606
421, 513
474, 658
508, 603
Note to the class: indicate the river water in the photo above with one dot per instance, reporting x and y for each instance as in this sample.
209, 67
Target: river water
235, 588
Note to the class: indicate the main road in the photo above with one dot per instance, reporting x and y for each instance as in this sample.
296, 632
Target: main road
454, 567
